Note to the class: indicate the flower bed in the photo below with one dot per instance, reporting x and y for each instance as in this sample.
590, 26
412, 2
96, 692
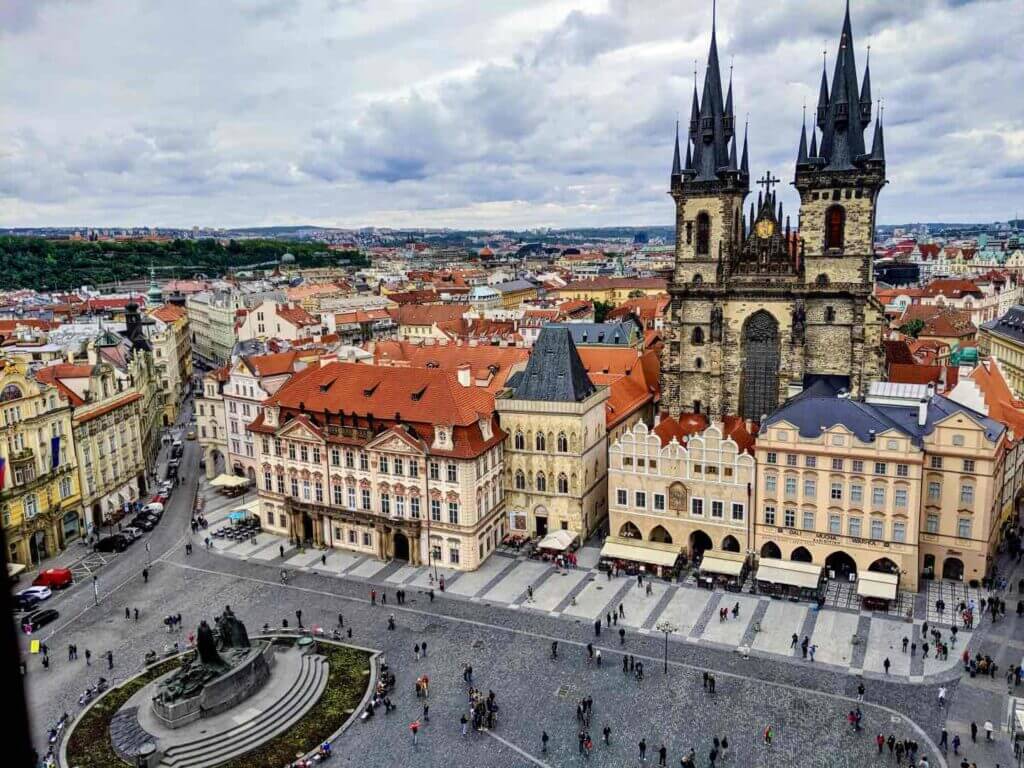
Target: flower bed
89, 743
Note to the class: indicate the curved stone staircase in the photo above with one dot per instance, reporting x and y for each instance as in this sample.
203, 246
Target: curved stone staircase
217, 748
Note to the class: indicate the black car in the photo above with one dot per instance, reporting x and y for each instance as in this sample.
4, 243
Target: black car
25, 602
145, 522
34, 621
115, 543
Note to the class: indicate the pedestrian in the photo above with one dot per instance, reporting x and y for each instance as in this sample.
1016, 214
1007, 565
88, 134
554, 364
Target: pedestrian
988, 730
341, 620
725, 748
597, 627
706, 676
944, 740
426, 713
416, 651
71, 652
127, 613
886, 664
812, 650
423, 648
913, 649
383, 597
622, 636
597, 656
905, 641
323, 559
643, 750
622, 611
414, 726
794, 640
860, 692
280, 549
608, 619
625, 664
942, 696
662, 753
736, 611
298, 617
974, 732
543, 736
88, 657
956, 743
110, 665
606, 734
145, 575
464, 722
373, 597
711, 683
880, 742
768, 735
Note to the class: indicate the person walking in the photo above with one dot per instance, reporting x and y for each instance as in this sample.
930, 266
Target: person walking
880, 742
662, 755
414, 726
110, 665
794, 640
88, 657
942, 696
860, 692
974, 732
956, 743
136, 615
597, 627
944, 740
886, 664
416, 651
543, 737
298, 617
127, 613
606, 734
423, 648
988, 730
465, 726
769, 734
145, 575
643, 750
906, 640
622, 636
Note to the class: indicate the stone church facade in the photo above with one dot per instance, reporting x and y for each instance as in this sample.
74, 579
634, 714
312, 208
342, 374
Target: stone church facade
761, 308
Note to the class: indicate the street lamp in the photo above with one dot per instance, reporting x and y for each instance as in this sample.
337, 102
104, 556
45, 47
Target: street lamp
668, 628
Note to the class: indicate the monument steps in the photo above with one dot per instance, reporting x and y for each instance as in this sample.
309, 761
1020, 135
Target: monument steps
218, 748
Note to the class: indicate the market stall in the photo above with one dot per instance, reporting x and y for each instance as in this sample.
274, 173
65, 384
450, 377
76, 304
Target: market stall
634, 556
230, 485
790, 578
727, 569
877, 590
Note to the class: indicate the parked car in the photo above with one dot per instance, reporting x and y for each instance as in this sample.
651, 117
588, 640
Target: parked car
54, 578
159, 498
154, 508
25, 602
115, 543
191, 434
34, 621
166, 486
144, 522
132, 532
40, 593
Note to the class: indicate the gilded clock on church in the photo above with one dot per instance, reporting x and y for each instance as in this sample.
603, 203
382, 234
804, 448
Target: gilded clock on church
765, 228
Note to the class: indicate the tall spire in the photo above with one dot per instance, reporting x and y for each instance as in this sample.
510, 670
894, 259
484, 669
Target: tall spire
814, 143
823, 92
677, 169
842, 131
865, 92
744, 163
732, 155
878, 143
694, 107
801, 155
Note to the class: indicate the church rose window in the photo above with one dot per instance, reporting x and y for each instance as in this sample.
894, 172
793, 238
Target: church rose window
703, 234
835, 226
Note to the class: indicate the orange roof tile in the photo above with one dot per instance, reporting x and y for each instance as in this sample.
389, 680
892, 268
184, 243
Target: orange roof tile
169, 313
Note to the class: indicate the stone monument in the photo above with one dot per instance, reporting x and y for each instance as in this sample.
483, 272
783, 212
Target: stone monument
225, 669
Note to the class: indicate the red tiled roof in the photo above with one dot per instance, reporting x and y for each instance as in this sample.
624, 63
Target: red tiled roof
109, 407
952, 288
1002, 405
169, 313
272, 365
487, 362
417, 314
52, 374
296, 315
939, 321
897, 351
680, 428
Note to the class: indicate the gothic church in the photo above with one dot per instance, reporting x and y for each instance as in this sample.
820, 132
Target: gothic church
761, 309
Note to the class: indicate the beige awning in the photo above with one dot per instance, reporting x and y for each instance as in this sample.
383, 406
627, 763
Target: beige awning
880, 585
638, 551
725, 563
788, 572
13, 569
558, 541
229, 481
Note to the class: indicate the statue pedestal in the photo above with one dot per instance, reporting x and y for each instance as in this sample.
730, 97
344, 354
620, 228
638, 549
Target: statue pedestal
238, 683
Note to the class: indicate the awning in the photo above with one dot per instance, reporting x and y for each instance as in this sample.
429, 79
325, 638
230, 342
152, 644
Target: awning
229, 481
725, 563
557, 540
13, 569
637, 551
789, 572
879, 585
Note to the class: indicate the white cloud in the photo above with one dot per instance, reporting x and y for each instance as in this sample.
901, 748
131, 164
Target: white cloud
505, 113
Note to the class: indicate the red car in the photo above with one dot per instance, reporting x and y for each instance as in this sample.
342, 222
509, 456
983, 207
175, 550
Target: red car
54, 578
158, 499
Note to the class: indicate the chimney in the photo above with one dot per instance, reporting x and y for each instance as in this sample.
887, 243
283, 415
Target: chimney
922, 411
465, 378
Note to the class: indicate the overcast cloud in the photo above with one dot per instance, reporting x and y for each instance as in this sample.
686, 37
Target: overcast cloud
460, 113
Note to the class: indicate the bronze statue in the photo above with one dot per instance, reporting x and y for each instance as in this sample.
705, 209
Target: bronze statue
231, 630
799, 324
716, 324
206, 645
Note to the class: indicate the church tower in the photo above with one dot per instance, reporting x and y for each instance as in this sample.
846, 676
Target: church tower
708, 187
760, 310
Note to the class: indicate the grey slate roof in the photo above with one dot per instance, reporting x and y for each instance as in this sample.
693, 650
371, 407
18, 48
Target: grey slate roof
512, 286
810, 414
554, 372
1010, 325
620, 334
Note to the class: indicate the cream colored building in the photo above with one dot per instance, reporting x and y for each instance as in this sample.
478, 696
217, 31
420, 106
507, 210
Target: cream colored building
397, 467
905, 482
212, 320
39, 493
557, 447
1003, 339
696, 498
211, 421
172, 354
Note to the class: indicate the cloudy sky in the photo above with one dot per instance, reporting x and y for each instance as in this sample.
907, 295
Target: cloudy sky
462, 113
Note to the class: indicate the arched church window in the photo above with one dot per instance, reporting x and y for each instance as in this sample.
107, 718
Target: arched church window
821, 280
540, 442
697, 337
699, 363
703, 234
835, 227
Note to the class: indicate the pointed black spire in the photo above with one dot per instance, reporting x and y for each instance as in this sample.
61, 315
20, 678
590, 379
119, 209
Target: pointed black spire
842, 135
689, 159
878, 144
744, 162
677, 169
823, 93
814, 144
694, 109
801, 154
865, 92
778, 216
753, 217
733, 166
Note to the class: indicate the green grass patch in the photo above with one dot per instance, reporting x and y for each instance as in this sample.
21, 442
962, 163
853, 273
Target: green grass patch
346, 684
89, 744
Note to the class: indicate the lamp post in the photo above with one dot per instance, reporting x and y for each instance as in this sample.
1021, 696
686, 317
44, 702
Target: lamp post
668, 628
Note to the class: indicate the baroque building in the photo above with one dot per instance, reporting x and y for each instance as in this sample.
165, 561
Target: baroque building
760, 308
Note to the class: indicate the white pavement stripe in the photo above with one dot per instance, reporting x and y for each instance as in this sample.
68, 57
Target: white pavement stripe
522, 752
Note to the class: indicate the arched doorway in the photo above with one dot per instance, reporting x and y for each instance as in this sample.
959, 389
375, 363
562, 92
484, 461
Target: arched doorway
840, 565
928, 567
953, 568
700, 542
629, 531
251, 474
771, 549
731, 544
759, 393
660, 535
884, 565
801, 555
238, 471
401, 543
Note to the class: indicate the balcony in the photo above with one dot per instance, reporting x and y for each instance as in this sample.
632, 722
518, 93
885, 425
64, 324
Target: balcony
23, 456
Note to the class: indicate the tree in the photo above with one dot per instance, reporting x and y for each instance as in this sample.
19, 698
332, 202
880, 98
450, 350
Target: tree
912, 328
601, 310
636, 293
